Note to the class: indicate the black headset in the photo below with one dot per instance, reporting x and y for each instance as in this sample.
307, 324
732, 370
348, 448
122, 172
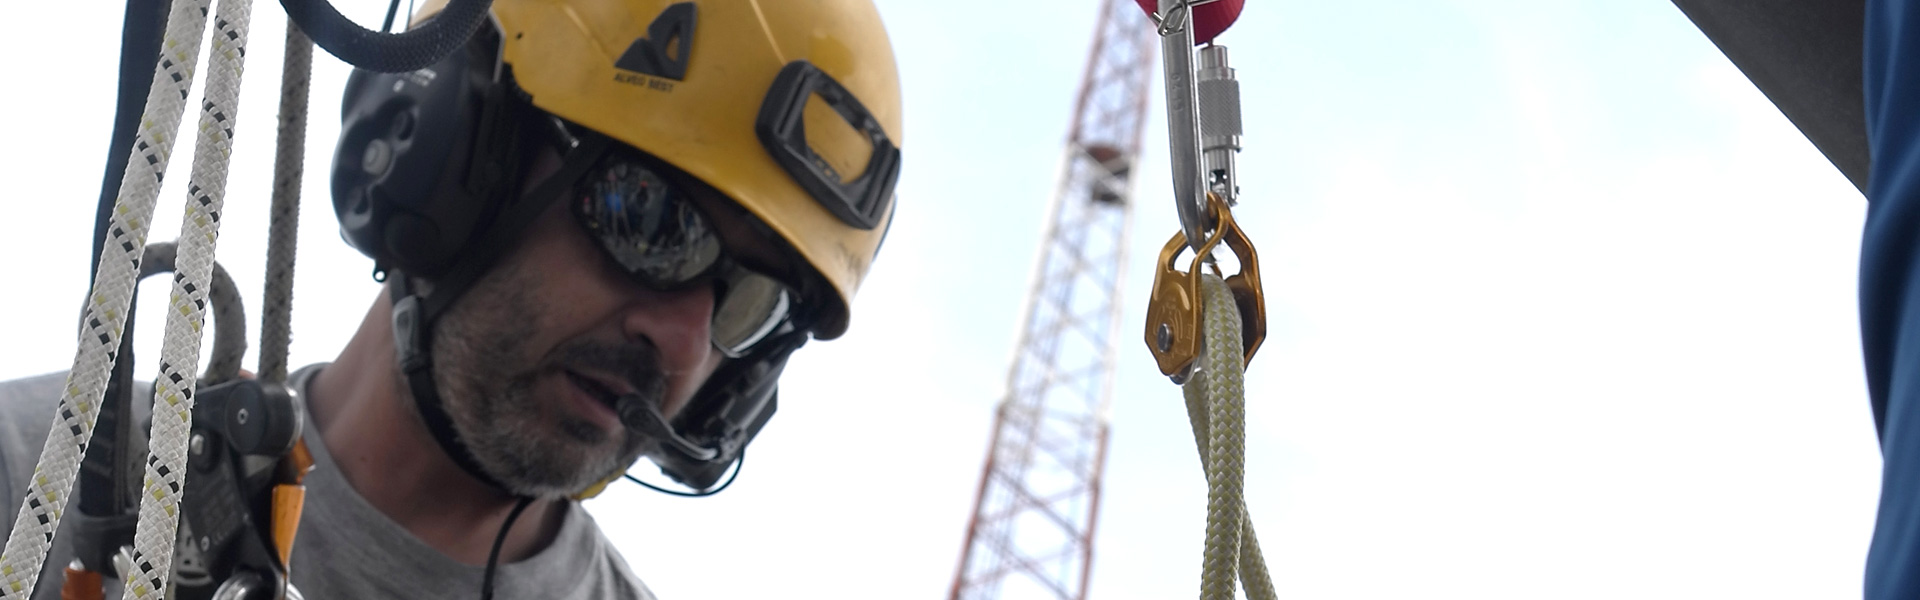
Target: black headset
426, 178
425, 159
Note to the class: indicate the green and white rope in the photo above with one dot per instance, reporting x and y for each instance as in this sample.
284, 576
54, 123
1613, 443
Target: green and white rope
1217, 409
173, 390
51, 486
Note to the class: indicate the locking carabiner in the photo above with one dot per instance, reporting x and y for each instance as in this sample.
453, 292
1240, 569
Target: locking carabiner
1175, 21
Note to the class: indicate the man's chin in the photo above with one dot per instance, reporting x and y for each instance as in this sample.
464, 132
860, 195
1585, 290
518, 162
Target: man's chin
553, 486
558, 466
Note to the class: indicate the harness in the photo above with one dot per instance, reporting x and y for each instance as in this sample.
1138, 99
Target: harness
239, 532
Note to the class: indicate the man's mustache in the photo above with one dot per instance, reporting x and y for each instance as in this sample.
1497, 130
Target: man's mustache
636, 364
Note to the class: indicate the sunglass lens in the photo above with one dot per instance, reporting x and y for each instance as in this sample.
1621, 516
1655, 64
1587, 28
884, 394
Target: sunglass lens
646, 224
754, 306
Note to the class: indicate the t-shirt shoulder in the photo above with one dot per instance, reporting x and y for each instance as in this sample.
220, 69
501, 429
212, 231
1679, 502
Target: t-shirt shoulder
26, 415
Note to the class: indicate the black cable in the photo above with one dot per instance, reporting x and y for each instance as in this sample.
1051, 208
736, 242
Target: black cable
739, 462
493, 558
392, 7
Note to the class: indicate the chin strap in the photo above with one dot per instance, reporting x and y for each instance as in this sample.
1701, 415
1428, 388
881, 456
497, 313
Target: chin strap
414, 313
411, 327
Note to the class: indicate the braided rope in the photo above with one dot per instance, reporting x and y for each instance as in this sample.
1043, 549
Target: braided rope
1216, 408
106, 311
229, 317
153, 538
283, 223
1253, 566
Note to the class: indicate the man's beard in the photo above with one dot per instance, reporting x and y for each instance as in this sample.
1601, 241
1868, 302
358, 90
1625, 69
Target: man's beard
488, 386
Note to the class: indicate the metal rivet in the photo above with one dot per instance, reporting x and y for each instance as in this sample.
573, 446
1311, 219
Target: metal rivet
1166, 337
378, 157
241, 416
197, 444
1181, 377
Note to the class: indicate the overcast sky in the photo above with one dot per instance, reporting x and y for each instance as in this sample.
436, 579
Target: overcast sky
1560, 306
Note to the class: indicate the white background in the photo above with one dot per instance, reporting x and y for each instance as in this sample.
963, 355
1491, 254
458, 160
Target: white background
1560, 306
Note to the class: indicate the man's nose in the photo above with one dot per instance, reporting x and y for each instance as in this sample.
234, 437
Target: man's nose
678, 323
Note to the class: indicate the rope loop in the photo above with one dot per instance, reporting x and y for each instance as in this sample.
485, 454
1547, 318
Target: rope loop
410, 50
1216, 408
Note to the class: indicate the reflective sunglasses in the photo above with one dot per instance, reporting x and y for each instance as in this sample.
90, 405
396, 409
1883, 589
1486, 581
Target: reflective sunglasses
653, 230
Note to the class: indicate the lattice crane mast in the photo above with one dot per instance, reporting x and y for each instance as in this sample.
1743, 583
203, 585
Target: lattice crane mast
1031, 535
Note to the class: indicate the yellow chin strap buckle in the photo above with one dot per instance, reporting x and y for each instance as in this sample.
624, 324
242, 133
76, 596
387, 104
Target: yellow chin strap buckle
595, 489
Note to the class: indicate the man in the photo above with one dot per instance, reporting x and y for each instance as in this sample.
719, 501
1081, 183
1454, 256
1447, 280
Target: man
604, 226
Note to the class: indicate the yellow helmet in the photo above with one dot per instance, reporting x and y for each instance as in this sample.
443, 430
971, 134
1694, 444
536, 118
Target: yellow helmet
790, 108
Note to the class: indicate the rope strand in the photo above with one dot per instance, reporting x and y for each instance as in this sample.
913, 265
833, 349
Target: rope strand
154, 537
50, 488
283, 222
1216, 409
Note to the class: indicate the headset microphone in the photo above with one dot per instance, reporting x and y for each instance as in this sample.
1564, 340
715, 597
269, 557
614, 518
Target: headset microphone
638, 413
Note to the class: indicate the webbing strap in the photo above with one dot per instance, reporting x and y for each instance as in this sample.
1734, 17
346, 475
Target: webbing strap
1216, 407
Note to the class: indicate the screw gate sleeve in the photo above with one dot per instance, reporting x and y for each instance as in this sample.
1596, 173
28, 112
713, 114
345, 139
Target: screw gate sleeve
1219, 96
1209, 19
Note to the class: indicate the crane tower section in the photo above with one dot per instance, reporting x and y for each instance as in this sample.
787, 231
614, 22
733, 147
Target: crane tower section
1031, 535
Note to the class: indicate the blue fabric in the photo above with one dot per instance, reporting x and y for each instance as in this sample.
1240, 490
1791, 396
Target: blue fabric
1890, 289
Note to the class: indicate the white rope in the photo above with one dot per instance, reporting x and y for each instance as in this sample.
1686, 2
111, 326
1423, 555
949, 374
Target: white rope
154, 537
52, 483
1216, 407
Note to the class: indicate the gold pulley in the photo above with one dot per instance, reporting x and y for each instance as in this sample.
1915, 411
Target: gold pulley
1173, 312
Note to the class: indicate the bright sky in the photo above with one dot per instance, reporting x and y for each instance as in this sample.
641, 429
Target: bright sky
1560, 306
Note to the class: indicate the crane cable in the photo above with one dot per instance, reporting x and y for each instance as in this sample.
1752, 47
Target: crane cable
53, 476
1217, 407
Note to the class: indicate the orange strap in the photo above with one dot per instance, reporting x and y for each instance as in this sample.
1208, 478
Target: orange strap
289, 499
287, 503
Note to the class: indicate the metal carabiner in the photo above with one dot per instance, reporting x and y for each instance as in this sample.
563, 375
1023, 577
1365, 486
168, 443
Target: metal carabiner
1183, 119
1173, 313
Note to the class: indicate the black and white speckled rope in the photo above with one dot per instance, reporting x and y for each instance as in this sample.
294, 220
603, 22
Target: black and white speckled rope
51, 486
173, 389
283, 222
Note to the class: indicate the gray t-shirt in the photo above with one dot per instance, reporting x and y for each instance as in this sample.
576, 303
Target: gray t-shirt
345, 549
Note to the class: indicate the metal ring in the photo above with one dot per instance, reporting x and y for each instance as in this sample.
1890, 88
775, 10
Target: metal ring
1184, 12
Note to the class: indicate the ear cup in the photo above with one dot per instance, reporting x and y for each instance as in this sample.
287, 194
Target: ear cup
403, 162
